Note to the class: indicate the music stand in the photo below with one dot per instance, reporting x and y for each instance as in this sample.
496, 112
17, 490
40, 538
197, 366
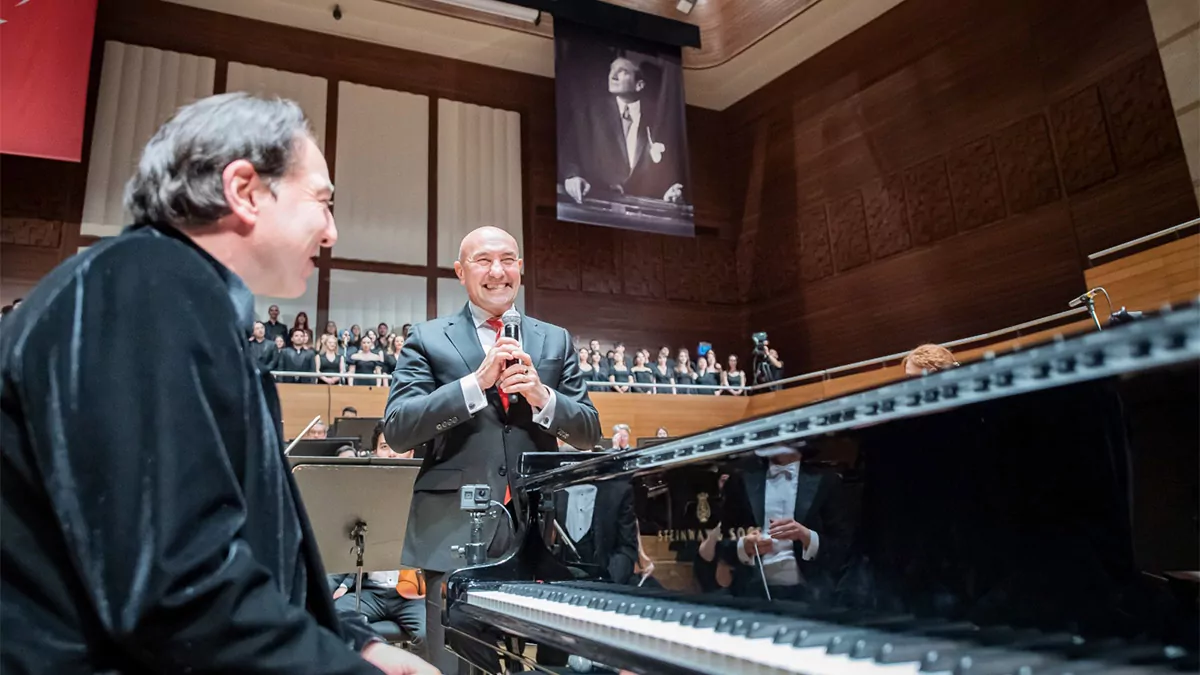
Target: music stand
360, 427
358, 512
321, 447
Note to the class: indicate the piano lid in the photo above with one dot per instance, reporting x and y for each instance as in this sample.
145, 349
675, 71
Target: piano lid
1170, 337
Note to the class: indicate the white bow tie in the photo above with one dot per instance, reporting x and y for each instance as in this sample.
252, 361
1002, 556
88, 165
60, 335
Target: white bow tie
777, 470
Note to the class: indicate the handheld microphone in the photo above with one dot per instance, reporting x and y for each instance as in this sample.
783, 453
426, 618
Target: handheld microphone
1084, 298
511, 320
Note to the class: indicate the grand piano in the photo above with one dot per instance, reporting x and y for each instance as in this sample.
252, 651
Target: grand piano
1031, 513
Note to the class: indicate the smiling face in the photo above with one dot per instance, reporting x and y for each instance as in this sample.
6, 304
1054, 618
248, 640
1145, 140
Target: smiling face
292, 223
489, 267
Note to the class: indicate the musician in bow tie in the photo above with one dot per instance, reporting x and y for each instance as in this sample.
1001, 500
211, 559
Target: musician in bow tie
804, 530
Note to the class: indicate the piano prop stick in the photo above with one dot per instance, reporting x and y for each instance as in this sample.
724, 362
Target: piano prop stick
359, 512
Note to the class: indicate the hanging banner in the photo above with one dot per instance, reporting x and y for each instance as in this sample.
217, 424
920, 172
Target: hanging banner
45, 49
622, 141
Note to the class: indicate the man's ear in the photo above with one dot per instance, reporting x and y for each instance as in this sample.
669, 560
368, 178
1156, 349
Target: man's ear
242, 190
458, 271
641, 84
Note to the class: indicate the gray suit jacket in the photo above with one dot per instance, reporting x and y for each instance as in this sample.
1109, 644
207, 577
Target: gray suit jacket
426, 403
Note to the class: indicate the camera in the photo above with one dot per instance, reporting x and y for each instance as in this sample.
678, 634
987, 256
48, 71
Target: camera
760, 342
337, 12
474, 497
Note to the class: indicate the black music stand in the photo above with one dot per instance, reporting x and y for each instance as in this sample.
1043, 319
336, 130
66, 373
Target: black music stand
358, 510
321, 447
357, 427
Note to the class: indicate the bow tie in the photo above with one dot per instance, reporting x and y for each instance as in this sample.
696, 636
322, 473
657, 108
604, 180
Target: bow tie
778, 470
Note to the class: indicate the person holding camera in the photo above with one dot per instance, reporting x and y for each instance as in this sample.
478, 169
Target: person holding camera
767, 365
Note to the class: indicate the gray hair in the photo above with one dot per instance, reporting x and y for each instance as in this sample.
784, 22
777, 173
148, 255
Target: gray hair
179, 178
621, 427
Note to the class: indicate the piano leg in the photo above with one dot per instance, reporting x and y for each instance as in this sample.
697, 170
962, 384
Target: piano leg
438, 636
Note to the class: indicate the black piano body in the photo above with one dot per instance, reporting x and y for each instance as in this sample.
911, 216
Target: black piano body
1029, 513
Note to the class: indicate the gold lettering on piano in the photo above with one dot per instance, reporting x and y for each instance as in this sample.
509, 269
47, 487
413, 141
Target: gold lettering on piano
694, 534
703, 510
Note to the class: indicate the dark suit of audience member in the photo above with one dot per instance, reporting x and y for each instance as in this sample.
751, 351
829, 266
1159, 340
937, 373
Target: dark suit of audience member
621, 145
295, 359
763, 491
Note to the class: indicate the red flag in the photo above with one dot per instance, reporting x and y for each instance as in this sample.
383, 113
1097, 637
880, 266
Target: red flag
45, 49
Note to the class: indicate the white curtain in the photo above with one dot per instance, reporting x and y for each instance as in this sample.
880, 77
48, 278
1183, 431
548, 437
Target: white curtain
368, 298
311, 93
479, 173
290, 307
382, 175
140, 88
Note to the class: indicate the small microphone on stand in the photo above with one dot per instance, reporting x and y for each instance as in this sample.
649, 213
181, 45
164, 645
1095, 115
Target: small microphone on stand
511, 320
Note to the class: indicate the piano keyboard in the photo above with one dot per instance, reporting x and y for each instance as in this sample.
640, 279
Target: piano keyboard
721, 641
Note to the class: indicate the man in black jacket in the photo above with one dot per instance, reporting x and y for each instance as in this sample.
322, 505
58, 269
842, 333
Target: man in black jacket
150, 524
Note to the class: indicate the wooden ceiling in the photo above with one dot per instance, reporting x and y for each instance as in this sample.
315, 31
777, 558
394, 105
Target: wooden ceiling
727, 27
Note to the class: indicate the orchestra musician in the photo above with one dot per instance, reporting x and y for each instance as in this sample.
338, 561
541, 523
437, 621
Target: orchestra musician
150, 523
452, 386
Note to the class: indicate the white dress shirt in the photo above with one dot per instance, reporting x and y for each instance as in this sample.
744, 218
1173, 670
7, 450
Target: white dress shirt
581, 505
779, 564
631, 136
476, 399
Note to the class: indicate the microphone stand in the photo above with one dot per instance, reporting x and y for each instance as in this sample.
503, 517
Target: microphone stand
1091, 308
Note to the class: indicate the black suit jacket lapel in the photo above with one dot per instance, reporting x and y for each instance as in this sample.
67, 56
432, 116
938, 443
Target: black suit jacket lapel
462, 334
533, 338
756, 492
807, 486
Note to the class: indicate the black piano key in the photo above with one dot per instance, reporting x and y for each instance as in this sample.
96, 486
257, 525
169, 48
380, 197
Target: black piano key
909, 651
1072, 668
942, 660
1005, 663
808, 638
844, 644
872, 645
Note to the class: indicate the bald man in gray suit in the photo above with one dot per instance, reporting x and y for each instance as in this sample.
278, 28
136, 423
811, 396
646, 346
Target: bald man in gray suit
452, 385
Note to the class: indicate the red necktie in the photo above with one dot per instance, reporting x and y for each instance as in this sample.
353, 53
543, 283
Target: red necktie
496, 325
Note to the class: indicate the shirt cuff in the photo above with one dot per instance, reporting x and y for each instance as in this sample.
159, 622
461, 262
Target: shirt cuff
814, 543
473, 395
741, 551
545, 416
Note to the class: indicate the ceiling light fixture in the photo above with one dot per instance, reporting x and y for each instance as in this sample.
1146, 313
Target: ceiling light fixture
685, 6
497, 8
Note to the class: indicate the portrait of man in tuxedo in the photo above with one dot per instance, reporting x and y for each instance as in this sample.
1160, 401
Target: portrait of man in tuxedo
480, 400
622, 145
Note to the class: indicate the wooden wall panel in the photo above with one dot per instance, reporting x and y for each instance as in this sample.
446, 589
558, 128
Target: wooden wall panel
1026, 160
1082, 139
887, 216
993, 146
681, 415
930, 207
975, 185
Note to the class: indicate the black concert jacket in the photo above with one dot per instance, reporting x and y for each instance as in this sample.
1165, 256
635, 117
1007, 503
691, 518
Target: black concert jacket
149, 522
